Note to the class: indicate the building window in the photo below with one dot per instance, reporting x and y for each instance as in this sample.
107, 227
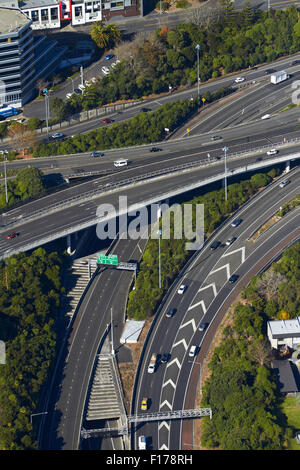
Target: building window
54, 13
44, 14
78, 12
35, 15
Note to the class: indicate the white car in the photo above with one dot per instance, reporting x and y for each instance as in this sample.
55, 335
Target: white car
81, 87
57, 135
272, 152
192, 351
181, 289
142, 443
284, 183
68, 95
266, 116
105, 70
239, 80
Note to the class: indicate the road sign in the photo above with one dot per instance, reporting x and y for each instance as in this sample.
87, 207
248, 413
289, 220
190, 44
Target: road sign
110, 259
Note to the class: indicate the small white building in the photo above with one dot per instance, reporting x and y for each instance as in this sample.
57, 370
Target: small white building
284, 332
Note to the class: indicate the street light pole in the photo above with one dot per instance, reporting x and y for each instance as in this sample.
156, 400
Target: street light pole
5, 179
225, 149
198, 82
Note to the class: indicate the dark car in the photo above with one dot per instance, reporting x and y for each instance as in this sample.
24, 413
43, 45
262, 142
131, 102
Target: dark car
165, 358
171, 312
145, 110
109, 56
215, 245
295, 62
202, 326
11, 235
267, 71
77, 91
107, 120
233, 278
216, 137
155, 149
97, 154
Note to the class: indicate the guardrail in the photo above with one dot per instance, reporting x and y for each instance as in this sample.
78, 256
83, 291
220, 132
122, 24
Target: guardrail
108, 187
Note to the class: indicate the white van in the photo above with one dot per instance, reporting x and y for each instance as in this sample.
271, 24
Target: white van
120, 162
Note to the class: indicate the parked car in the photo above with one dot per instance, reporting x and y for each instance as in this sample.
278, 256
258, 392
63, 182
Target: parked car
107, 120
171, 312
11, 235
215, 245
284, 183
272, 152
181, 289
68, 95
230, 241
57, 135
236, 222
97, 154
77, 91
233, 278
105, 70
239, 80
109, 56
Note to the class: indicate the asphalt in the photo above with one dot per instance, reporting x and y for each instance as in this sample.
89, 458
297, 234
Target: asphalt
207, 289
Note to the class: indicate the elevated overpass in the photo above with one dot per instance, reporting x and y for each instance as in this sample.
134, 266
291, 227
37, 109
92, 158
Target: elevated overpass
80, 212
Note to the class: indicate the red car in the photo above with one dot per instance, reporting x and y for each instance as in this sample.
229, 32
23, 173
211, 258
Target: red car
107, 120
11, 235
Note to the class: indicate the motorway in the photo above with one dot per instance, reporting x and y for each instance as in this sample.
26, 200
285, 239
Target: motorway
207, 291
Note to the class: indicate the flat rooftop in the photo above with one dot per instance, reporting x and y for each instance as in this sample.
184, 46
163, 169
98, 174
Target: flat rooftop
285, 328
37, 3
11, 20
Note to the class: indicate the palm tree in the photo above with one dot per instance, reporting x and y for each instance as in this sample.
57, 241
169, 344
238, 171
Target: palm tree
99, 34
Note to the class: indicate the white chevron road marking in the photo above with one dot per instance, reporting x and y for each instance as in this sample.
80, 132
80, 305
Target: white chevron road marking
197, 304
226, 266
212, 285
176, 361
163, 447
182, 341
192, 322
243, 250
165, 403
163, 424
169, 382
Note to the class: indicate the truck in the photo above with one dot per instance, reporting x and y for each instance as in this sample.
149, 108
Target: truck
279, 77
7, 111
152, 364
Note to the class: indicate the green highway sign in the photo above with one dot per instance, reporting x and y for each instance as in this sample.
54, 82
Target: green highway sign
107, 259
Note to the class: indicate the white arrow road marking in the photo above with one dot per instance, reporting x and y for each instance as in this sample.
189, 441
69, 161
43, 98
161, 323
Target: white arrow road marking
164, 447
226, 266
179, 342
165, 403
169, 382
192, 321
176, 361
243, 250
199, 303
163, 424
